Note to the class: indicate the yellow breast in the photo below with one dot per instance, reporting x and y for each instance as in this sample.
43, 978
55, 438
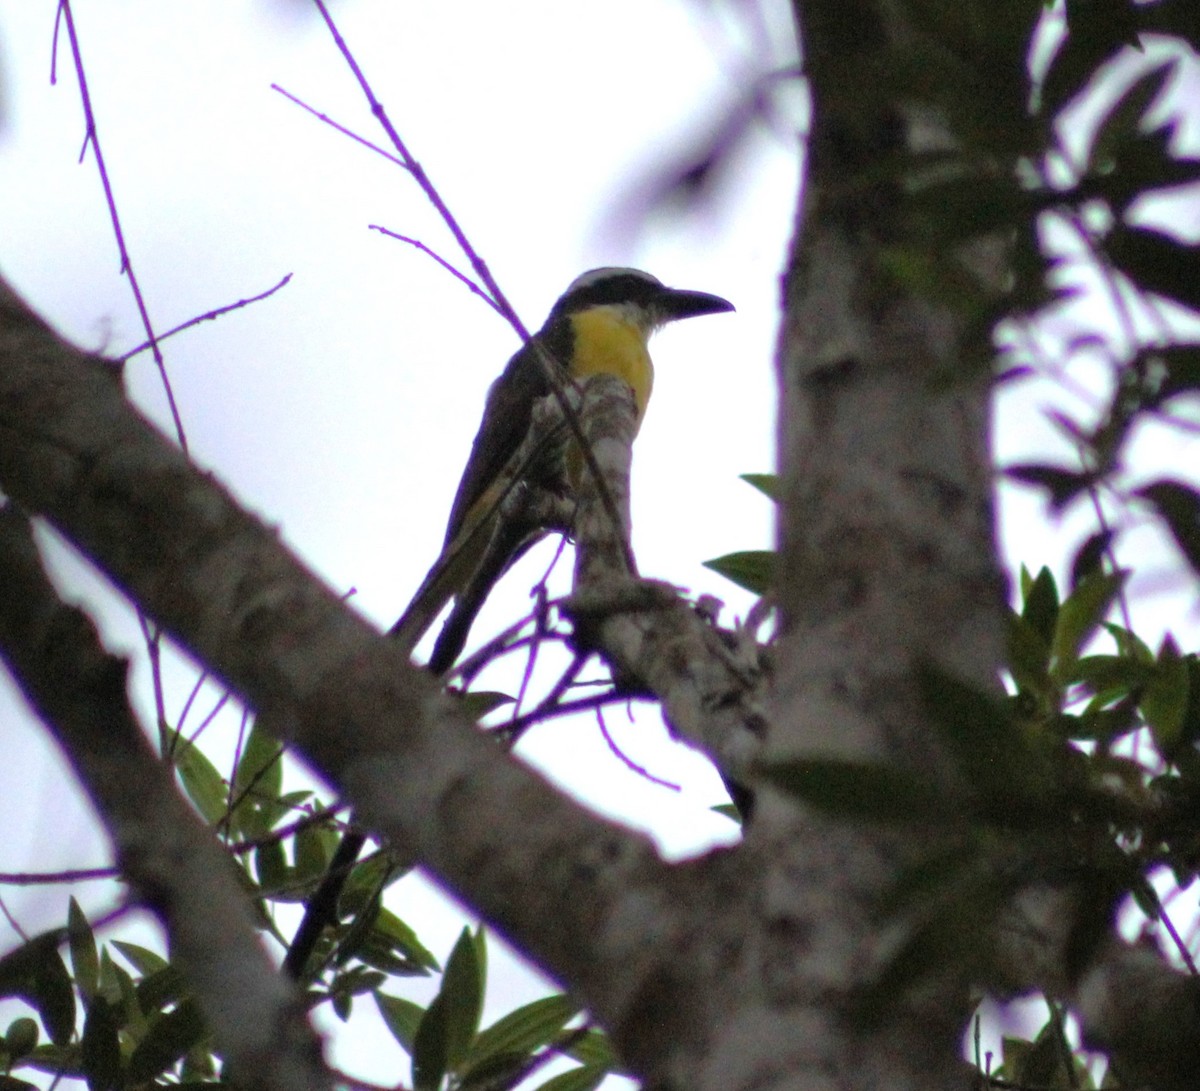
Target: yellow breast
608, 342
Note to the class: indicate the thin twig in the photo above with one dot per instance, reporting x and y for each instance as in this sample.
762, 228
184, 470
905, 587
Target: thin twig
153, 640
46, 878
448, 266
628, 761
340, 128
514, 729
317, 817
1066, 1054
551, 699
201, 678
91, 137
1160, 914
208, 316
12, 921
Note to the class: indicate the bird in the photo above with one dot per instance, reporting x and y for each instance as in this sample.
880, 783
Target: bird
601, 324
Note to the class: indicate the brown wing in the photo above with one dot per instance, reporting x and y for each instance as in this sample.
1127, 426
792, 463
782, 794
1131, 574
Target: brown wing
506, 417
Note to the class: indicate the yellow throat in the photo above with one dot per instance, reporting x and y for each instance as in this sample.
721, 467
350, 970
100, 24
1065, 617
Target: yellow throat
608, 341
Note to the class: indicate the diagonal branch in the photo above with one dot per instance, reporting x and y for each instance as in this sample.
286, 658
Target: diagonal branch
588, 900
170, 858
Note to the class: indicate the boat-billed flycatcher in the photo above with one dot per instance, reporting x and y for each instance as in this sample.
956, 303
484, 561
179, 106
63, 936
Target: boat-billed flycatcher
600, 324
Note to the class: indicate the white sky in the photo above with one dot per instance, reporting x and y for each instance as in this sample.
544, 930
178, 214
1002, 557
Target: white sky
342, 409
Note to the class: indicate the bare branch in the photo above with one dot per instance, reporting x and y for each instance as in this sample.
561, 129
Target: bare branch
339, 127
448, 266
208, 316
92, 137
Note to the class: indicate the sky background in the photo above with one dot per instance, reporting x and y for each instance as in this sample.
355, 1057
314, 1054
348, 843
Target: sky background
342, 408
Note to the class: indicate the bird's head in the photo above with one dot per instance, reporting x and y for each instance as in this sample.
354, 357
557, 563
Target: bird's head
641, 299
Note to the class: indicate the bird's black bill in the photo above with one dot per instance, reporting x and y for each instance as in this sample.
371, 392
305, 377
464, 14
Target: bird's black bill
680, 303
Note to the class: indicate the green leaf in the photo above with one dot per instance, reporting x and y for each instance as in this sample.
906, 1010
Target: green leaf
161, 989
1096, 32
348, 984
169, 1037
1028, 655
1104, 725
978, 727
133, 1019
1164, 701
1111, 675
479, 938
401, 1017
353, 938
728, 810
1126, 159
1041, 605
1190, 730
21, 1037
366, 883
523, 1030
202, 782
586, 1078
462, 992
500, 1072
594, 1049
1041, 1063
59, 1061
256, 785
1129, 644
402, 938
100, 1049
1178, 367
477, 704
767, 484
261, 769
311, 857
1079, 617
448, 1027
753, 570
1178, 505
429, 1047
271, 866
85, 962
376, 951
1090, 556
142, 959
35, 972
862, 791
110, 985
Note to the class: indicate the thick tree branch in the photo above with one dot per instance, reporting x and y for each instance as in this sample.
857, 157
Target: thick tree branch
712, 685
163, 849
591, 902
886, 566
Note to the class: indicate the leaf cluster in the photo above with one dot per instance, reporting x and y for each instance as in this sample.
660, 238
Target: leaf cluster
118, 1015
